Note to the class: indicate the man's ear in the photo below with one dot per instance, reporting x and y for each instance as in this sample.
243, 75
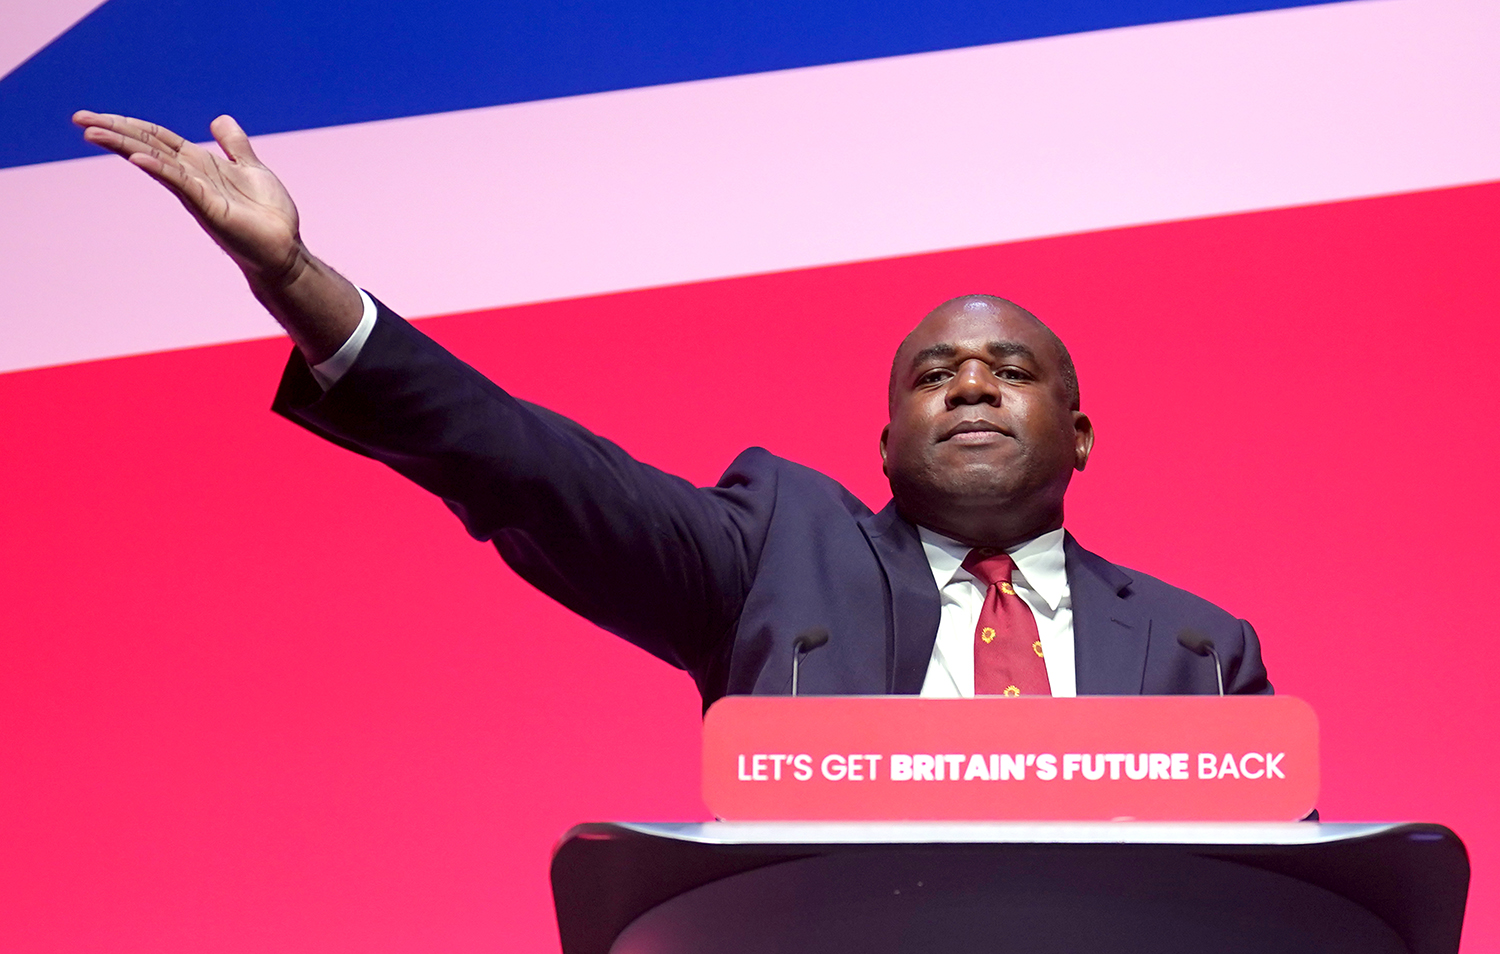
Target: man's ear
1083, 439
885, 433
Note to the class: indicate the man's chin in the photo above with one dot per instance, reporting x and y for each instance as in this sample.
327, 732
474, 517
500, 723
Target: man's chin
948, 493
980, 478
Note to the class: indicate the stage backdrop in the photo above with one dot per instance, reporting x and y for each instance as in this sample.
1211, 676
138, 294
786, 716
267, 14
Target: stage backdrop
258, 694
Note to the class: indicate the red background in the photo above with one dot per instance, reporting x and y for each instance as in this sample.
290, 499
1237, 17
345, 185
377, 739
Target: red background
256, 693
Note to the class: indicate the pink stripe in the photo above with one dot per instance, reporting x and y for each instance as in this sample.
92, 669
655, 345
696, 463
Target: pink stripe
30, 25
666, 185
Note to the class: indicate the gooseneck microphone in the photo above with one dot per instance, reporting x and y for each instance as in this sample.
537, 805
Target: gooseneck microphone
806, 642
1195, 642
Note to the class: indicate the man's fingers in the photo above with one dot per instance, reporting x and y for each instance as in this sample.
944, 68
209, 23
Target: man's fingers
106, 138
102, 129
87, 118
185, 185
232, 139
125, 145
168, 173
114, 132
189, 189
163, 135
159, 136
143, 148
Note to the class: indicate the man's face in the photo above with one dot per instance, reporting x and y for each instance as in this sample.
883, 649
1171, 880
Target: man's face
982, 442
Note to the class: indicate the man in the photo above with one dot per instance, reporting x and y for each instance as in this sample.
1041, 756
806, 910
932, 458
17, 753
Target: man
966, 583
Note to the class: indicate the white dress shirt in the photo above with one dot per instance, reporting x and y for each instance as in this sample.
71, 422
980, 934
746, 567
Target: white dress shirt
327, 373
1040, 578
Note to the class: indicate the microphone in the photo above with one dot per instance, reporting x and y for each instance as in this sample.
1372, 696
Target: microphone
806, 642
1195, 642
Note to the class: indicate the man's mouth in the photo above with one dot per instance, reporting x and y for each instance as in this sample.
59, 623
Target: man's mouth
975, 432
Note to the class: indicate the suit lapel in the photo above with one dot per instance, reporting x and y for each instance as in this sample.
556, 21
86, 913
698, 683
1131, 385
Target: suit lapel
915, 602
1109, 634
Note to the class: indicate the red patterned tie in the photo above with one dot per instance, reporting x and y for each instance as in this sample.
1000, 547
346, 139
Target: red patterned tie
1007, 650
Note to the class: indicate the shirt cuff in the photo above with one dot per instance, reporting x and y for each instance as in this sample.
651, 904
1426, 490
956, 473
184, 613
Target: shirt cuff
327, 373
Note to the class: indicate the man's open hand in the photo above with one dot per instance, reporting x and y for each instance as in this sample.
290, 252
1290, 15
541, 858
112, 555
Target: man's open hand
248, 212
237, 200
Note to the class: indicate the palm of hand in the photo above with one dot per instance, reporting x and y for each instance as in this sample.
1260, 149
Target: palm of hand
242, 205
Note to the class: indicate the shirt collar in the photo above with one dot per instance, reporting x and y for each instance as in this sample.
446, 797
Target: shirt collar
1040, 562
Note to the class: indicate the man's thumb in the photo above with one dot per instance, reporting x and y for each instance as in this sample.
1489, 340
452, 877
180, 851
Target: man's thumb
232, 139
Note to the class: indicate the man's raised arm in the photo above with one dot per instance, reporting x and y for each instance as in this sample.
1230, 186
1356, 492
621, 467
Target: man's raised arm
249, 213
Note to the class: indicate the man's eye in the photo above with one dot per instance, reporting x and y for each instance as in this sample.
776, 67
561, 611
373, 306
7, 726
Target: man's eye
1013, 374
932, 377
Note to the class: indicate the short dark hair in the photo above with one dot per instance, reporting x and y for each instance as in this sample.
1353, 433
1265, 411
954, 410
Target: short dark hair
1065, 365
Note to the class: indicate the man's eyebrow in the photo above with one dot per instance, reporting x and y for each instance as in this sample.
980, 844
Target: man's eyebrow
1010, 349
933, 351
998, 349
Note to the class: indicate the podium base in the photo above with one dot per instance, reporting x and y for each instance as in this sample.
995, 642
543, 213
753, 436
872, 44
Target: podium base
941, 888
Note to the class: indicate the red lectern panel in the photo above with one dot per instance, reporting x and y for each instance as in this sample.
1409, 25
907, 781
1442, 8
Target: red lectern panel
1166, 758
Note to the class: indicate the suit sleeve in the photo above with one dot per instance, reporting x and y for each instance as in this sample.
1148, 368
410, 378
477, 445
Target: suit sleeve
640, 552
1246, 674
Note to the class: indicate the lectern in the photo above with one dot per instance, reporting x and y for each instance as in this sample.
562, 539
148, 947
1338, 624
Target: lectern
965, 888
939, 885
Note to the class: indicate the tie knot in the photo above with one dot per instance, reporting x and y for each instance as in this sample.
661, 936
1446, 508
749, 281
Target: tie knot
989, 566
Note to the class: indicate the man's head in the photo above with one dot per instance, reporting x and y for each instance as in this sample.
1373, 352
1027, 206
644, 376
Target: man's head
985, 428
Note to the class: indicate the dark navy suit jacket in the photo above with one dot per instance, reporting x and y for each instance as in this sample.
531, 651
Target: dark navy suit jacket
719, 581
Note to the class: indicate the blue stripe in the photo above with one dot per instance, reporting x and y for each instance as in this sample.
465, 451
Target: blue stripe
300, 64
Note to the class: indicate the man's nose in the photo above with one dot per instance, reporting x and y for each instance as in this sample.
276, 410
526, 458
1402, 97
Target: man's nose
974, 383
